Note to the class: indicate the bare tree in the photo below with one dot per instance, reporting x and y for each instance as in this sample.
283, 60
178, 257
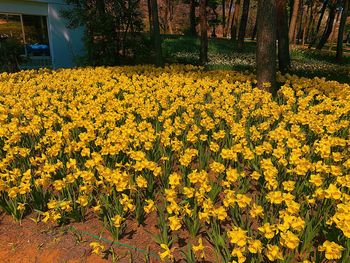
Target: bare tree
193, 17
156, 34
150, 21
204, 31
243, 25
293, 21
323, 10
255, 28
329, 27
332, 36
282, 36
344, 16
266, 45
168, 15
223, 17
234, 22
228, 18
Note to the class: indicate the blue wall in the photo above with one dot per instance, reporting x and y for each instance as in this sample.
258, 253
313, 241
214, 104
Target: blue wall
67, 44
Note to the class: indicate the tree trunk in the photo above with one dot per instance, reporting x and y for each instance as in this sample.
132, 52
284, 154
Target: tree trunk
223, 18
300, 20
310, 25
100, 6
243, 25
332, 36
235, 20
193, 31
293, 21
169, 16
229, 18
305, 24
328, 30
344, 16
150, 21
323, 9
156, 34
204, 32
255, 28
282, 36
266, 45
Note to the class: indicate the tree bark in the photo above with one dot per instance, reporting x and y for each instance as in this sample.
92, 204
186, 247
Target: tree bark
169, 16
223, 18
255, 28
150, 21
300, 20
204, 32
235, 20
328, 30
282, 36
293, 21
229, 18
305, 24
323, 9
156, 34
193, 31
344, 16
332, 36
266, 45
243, 25
310, 25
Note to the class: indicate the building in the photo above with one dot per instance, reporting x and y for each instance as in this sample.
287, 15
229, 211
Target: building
39, 27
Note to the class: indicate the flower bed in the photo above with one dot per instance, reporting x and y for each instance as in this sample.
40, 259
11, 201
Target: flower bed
258, 178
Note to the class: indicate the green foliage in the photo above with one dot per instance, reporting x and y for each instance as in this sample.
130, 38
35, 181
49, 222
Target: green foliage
10, 55
112, 30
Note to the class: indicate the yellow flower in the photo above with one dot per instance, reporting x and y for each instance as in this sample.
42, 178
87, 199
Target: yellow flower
97, 248
238, 252
141, 182
117, 221
237, 236
149, 207
217, 167
273, 252
333, 192
199, 247
174, 180
268, 230
288, 185
275, 197
255, 246
332, 250
289, 240
83, 200
46, 217
21, 207
188, 192
174, 223
166, 253
220, 212
256, 211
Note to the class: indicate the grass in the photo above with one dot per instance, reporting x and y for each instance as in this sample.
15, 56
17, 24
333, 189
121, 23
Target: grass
223, 56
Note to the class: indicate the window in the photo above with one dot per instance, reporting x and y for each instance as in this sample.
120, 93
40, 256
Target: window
29, 31
36, 36
11, 27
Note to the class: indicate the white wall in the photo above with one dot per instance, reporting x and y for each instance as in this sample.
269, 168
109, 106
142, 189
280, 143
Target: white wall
65, 44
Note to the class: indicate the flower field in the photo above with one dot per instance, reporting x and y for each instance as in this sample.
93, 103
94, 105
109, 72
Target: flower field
250, 177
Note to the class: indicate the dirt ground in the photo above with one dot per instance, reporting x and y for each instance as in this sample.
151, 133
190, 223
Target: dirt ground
38, 242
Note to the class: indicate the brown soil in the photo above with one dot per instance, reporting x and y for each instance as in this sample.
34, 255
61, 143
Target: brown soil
38, 242
28, 242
